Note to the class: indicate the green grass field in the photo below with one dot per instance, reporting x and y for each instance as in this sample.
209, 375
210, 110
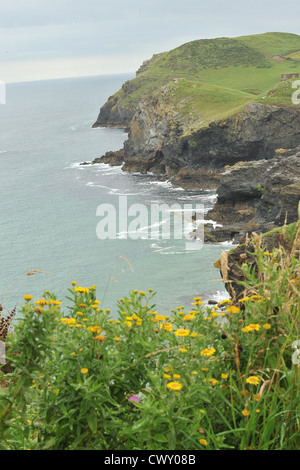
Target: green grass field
211, 79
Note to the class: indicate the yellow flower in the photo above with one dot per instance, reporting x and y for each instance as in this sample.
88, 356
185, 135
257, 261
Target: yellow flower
216, 314
100, 338
183, 349
189, 317
208, 352
176, 376
245, 412
167, 376
182, 332
253, 380
204, 369
224, 376
174, 386
38, 309
197, 298
84, 370
225, 302
73, 283
128, 323
68, 321
94, 329
232, 309
167, 326
82, 290
244, 299
79, 313
194, 335
142, 292
168, 368
267, 326
203, 442
246, 329
251, 327
213, 381
117, 338
42, 302
27, 297
55, 302
158, 318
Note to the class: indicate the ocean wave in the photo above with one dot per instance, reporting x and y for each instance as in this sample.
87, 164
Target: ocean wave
76, 166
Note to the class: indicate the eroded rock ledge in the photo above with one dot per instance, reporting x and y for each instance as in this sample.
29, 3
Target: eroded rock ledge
256, 196
157, 142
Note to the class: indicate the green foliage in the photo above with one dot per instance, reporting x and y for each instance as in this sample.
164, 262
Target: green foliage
210, 79
260, 189
222, 377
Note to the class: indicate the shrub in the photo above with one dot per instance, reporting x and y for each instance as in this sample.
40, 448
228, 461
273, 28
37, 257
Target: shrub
222, 377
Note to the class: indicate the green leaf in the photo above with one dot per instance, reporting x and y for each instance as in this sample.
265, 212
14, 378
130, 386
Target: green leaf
92, 422
49, 443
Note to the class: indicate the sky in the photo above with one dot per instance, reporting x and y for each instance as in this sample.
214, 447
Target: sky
43, 39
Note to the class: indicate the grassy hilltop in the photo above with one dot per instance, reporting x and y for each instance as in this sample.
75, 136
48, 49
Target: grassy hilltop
211, 79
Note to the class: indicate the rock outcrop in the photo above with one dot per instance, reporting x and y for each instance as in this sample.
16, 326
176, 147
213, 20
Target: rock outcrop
157, 143
230, 264
256, 196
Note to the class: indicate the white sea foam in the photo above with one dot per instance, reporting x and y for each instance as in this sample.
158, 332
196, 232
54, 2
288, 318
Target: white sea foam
76, 166
228, 244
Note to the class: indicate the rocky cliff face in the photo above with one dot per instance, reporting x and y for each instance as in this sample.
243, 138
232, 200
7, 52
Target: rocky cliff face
157, 141
112, 114
256, 196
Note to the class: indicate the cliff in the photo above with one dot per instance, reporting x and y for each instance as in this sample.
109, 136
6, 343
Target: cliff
212, 104
256, 196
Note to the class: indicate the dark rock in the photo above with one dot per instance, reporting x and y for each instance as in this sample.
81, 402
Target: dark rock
196, 160
112, 158
256, 196
112, 114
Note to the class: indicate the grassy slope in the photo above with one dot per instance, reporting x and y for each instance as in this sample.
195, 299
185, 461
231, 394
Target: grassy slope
210, 79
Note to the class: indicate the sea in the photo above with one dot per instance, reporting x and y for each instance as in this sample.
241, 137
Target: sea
49, 218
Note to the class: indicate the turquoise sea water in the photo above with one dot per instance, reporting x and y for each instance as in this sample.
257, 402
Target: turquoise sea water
48, 204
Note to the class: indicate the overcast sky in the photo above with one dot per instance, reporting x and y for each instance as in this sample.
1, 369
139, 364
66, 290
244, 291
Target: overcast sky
42, 39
